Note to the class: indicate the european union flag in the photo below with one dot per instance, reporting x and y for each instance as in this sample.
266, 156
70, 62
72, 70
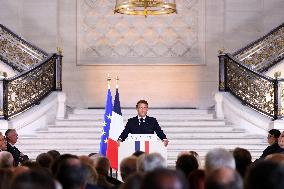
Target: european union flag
106, 124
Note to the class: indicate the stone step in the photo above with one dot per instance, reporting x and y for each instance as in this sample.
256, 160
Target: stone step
45, 136
173, 144
171, 147
77, 123
152, 111
171, 155
158, 117
194, 129
184, 135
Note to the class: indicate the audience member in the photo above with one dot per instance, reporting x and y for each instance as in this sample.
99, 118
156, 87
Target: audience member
218, 158
31, 164
128, 166
196, 155
149, 162
91, 176
5, 178
164, 179
197, 179
44, 160
54, 154
20, 170
224, 178
12, 137
277, 158
102, 166
138, 153
72, 176
65, 159
95, 157
134, 181
265, 175
281, 144
87, 160
6, 160
33, 179
243, 160
272, 139
186, 163
3, 143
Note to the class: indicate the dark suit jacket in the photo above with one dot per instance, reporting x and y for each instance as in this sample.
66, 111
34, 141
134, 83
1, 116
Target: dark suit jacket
16, 154
274, 148
150, 126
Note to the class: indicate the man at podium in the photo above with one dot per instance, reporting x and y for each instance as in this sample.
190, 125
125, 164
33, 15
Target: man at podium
142, 124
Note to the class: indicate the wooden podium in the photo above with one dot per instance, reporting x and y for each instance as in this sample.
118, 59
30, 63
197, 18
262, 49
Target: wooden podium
140, 142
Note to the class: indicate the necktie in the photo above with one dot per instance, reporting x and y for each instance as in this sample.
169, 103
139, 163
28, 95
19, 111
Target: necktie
141, 120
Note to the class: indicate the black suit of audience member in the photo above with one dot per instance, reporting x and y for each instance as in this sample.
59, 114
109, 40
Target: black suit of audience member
147, 126
274, 148
272, 139
18, 157
12, 138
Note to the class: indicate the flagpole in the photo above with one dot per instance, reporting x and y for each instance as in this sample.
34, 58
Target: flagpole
108, 81
116, 82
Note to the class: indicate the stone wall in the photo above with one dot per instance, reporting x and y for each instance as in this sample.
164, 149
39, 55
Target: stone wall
184, 81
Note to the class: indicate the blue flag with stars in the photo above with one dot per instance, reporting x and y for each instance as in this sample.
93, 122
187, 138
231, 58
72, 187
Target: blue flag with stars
106, 124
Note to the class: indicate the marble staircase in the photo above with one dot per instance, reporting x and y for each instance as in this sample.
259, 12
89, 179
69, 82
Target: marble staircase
187, 129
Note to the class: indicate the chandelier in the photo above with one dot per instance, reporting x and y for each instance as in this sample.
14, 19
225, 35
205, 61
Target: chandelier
145, 7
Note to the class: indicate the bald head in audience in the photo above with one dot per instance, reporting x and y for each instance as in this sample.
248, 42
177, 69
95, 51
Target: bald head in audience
6, 159
149, 162
218, 158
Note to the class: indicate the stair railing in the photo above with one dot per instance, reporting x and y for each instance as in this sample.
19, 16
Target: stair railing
241, 74
265, 52
39, 74
252, 88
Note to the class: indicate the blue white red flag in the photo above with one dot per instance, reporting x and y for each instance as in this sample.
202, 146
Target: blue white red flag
116, 127
106, 123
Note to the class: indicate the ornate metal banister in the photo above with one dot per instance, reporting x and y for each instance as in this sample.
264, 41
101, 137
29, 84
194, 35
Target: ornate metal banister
252, 88
265, 52
17, 52
39, 74
30, 87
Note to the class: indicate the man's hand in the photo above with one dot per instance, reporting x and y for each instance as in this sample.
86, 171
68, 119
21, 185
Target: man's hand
166, 142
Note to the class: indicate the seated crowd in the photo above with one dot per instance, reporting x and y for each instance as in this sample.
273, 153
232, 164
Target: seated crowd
222, 169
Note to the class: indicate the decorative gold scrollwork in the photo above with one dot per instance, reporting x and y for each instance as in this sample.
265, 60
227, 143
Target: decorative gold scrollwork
18, 52
256, 91
263, 53
31, 87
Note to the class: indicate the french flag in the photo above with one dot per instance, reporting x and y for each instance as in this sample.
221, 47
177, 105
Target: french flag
116, 127
142, 146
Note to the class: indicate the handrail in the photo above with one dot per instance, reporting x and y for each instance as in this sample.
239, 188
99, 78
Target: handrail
28, 88
252, 88
39, 74
17, 52
264, 52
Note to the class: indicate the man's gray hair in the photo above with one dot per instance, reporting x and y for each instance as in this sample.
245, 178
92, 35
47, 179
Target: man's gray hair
218, 158
149, 162
6, 159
